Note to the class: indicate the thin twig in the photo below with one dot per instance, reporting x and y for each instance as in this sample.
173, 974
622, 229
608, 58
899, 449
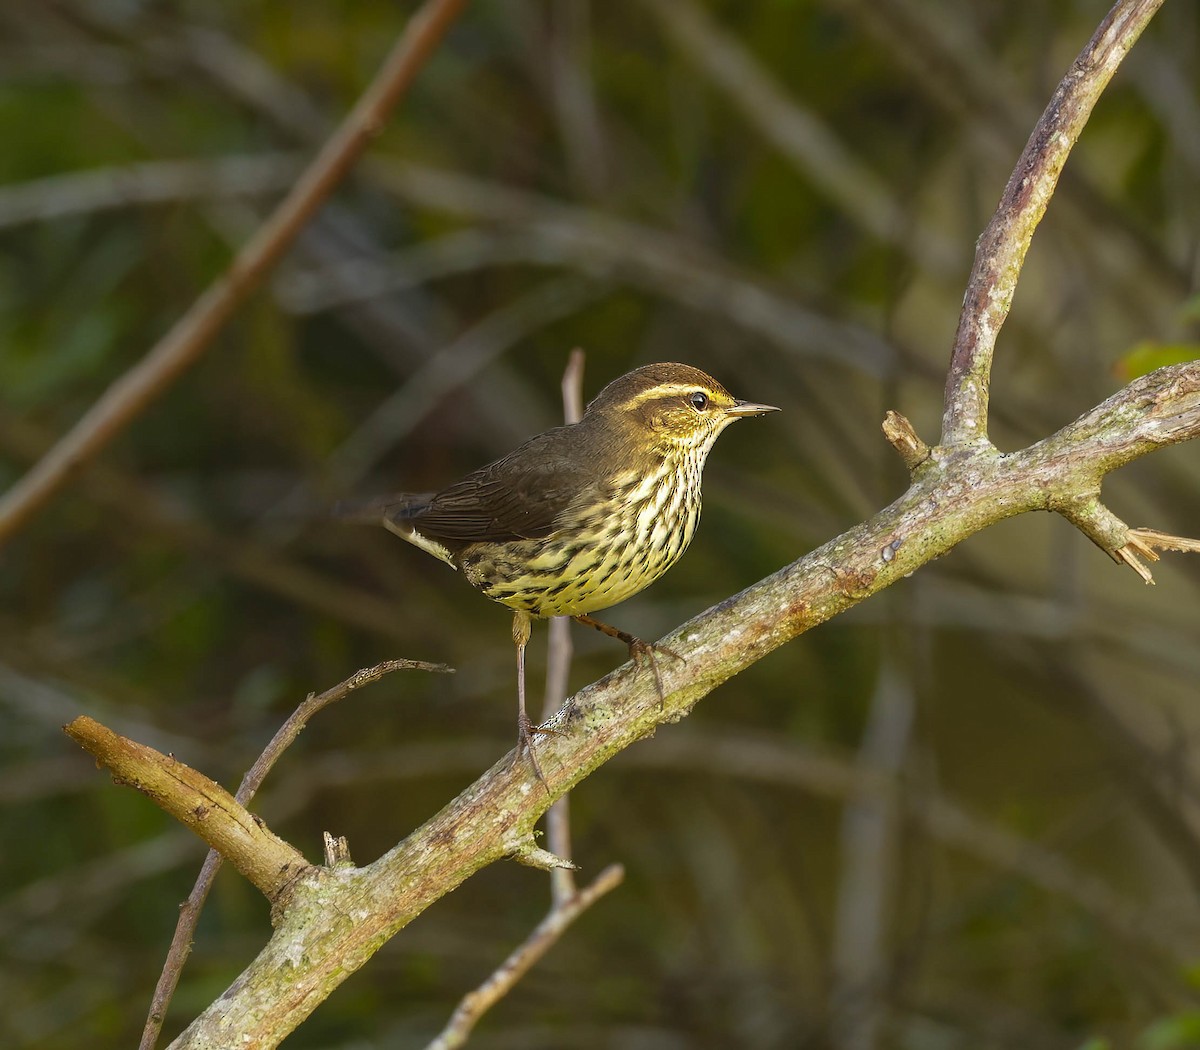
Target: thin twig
194, 332
189, 912
540, 941
558, 666
869, 848
1000, 251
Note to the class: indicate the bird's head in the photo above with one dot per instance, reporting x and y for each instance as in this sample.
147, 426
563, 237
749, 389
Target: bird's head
670, 407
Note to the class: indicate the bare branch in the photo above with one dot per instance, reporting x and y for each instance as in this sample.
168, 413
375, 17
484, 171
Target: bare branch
1000, 251
558, 666
201, 804
194, 332
540, 941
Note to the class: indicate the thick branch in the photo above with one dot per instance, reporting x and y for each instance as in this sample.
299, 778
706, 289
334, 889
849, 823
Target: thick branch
202, 804
340, 918
1001, 249
194, 332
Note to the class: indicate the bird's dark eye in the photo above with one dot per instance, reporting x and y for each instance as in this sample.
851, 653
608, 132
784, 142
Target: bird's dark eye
699, 400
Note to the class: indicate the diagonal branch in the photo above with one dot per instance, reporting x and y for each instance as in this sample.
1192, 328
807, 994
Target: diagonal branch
198, 803
1000, 251
547, 934
194, 332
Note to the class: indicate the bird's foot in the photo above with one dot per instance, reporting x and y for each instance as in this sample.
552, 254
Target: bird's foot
643, 653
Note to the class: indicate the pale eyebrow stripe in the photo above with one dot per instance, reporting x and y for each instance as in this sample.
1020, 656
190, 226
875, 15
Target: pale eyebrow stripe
662, 390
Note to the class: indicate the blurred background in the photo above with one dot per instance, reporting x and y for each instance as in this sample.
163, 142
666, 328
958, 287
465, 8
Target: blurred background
967, 814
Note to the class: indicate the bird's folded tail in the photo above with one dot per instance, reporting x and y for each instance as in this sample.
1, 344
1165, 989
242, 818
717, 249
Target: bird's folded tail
394, 513
388, 511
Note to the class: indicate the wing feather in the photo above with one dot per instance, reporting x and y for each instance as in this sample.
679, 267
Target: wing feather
520, 496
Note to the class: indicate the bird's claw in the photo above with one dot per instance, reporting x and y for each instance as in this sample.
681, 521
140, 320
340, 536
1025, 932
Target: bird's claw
526, 731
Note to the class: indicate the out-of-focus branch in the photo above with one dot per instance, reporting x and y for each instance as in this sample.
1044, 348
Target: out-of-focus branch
573, 94
134, 507
54, 903
1000, 251
156, 182
869, 861
558, 667
768, 761
801, 136
538, 229
194, 332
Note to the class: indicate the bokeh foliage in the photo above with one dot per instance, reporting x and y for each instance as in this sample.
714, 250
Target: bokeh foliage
573, 174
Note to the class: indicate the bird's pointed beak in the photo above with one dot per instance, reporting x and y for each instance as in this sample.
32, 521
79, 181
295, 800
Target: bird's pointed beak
749, 408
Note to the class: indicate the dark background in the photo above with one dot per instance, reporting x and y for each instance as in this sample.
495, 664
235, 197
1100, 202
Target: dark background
787, 196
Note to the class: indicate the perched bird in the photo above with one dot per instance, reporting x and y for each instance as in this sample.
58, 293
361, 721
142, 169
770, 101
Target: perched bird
582, 516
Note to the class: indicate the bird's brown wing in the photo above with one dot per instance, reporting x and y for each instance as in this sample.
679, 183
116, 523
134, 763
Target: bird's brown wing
518, 497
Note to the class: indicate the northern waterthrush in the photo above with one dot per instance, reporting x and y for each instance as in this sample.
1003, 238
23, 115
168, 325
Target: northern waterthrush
582, 516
